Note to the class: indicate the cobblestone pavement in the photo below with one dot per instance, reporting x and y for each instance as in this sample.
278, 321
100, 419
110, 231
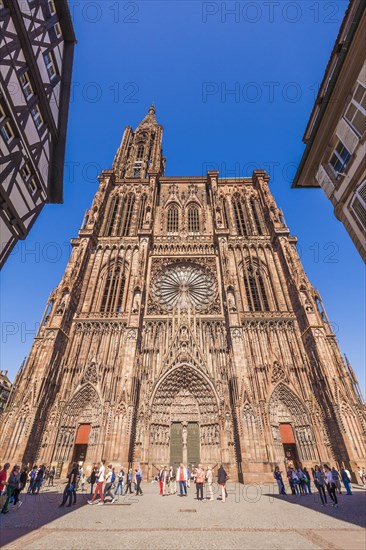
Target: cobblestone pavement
252, 517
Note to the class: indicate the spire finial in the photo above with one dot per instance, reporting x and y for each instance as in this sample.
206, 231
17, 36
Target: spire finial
152, 109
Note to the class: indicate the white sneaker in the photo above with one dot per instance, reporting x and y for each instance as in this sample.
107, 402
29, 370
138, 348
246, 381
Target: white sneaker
19, 503
90, 502
113, 500
100, 503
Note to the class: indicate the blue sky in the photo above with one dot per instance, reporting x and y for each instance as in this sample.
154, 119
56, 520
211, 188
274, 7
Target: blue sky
187, 57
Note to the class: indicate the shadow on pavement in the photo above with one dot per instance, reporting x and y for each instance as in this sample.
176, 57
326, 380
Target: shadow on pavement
35, 512
355, 514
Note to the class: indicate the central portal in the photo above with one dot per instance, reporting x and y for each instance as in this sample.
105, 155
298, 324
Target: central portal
184, 443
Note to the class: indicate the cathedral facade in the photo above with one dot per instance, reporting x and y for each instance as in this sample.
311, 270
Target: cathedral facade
184, 329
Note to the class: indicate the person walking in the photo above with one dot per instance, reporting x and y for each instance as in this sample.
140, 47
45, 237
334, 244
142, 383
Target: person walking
39, 479
32, 479
319, 484
109, 485
209, 481
12, 484
165, 477
51, 475
222, 479
3, 476
138, 481
120, 482
172, 481
346, 481
93, 478
331, 486
182, 477
129, 482
290, 480
99, 487
70, 489
23, 482
278, 477
296, 482
200, 478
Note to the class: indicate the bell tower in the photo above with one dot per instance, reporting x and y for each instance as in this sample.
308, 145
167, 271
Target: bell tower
140, 152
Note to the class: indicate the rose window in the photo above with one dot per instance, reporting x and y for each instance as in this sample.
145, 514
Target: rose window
184, 285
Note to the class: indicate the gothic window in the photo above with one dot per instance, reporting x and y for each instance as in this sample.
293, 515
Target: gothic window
137, 171
226, 213
112, 216
254, 205
239, 216
140, 152
193, 220
126, 216
141, 212
113, 290
173, 220
255, 290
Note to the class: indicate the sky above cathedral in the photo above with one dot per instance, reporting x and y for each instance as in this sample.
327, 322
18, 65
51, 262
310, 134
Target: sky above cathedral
233, 84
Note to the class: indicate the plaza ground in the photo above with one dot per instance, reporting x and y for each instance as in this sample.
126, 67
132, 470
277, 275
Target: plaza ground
252, 517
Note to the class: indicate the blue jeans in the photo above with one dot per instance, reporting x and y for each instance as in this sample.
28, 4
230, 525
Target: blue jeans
346, 484
182, 487
119, 485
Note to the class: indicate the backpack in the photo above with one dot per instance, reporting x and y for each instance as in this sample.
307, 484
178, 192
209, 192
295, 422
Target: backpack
113, 477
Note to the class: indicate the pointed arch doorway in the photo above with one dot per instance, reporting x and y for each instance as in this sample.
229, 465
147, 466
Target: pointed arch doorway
184, 420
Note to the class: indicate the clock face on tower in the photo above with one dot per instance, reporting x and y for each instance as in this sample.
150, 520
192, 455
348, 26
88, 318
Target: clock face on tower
184, 285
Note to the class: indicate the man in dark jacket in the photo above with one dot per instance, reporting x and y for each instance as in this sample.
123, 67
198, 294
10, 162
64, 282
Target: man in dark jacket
70, 489
221, 480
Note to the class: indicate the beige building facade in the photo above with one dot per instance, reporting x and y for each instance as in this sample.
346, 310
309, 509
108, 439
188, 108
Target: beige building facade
335, 137
184, 329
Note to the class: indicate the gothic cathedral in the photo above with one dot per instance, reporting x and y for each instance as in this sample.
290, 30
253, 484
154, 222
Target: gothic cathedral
184, 329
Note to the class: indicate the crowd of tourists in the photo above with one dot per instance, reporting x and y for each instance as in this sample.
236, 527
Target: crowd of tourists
326, 479
107, 483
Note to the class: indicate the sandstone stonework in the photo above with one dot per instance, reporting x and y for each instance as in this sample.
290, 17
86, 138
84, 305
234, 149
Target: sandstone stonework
184, 327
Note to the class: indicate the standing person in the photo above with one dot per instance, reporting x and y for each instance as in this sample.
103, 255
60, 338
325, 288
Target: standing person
336, 480
361, 473
221, 479
32, 479
346, 481
209, 480
172, 481
70, 489
39, 480
188, 477
319, 484
165, 481
93, 478
290, 480
99, 487
109, 484
82, 482
138, 481
331, 486
182, 477
120, 482
129, 481
51, 475
296, 482
3, 476
278, 477
307, 480
161, 481
200, 479
13, 483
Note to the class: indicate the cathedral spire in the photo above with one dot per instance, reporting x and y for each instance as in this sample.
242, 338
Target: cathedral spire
140, 152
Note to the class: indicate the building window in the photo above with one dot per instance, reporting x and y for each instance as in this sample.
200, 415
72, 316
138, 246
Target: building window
258, 225
52, 7
25, 171
140, 152
50, 65
37, 117
113, 291
358, 204
26, 85
142, 212
32, 186
58, 30
173, 220
239, 216
356, 110
112, 216
255, 290
126, 216
193, 220
137, 172
7, 132
340, 158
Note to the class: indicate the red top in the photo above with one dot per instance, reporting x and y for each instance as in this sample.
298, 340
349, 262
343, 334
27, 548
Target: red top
2, 478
